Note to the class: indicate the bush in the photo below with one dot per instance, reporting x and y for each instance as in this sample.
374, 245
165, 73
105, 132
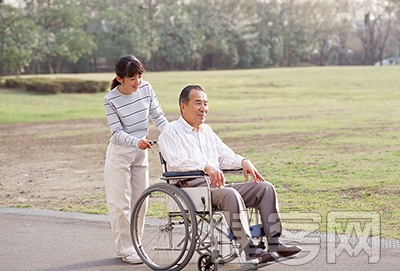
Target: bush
13, 83
43, 87
83, 86
53, 86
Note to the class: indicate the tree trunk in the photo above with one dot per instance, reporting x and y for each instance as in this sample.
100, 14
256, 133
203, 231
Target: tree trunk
49, 65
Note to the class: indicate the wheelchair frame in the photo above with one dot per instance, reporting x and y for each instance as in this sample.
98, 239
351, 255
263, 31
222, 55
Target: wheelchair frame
181, 221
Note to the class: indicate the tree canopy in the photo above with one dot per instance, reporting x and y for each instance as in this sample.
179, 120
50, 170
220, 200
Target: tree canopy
55, 36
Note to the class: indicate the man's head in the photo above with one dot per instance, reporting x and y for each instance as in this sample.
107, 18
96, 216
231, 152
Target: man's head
193, 104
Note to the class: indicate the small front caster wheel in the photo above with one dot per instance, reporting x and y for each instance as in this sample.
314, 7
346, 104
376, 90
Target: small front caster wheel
205, 263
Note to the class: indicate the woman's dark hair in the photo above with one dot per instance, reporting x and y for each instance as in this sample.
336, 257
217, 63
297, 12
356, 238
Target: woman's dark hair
184, 97
127, 66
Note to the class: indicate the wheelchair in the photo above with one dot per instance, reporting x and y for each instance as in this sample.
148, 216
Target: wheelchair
181, 221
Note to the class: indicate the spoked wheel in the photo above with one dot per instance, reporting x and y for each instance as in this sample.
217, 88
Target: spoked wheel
205, 263
222, 233
164, 228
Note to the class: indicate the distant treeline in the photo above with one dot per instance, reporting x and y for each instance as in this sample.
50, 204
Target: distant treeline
58, 36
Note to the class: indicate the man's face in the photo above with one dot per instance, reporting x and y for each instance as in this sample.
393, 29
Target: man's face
196, 110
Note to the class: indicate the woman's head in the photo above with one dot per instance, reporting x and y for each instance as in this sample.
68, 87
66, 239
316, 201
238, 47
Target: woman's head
127, 66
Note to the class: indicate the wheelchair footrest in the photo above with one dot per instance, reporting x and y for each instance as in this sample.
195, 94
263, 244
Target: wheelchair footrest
257, 230
255, 264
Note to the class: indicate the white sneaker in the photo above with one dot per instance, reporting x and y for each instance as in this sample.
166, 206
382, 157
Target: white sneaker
132, 258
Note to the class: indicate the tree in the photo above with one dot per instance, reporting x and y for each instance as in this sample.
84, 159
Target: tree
268, 48
180, 40
395, 37
374, 28
60, 33
119, 29
9, 17
224, 24
21, 43
290, 28
322, 27
204, 16
343, 30
63, 35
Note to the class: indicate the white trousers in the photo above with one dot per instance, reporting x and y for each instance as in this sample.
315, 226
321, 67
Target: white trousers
126, 176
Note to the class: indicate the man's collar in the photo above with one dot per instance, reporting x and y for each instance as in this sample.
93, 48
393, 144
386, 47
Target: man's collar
188, 128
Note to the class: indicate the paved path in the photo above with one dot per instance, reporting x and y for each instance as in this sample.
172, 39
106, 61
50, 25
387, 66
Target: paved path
35, 240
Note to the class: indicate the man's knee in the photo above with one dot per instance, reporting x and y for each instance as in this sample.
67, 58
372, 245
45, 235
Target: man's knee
227, 199
265, 187
230, 193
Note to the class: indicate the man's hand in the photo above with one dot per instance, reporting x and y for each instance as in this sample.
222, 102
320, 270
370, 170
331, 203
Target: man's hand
217, 178
249, 168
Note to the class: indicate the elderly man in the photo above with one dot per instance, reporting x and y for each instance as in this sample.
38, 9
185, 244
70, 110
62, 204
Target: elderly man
189, 144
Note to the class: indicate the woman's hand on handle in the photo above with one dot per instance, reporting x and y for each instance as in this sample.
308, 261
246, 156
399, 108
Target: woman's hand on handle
144, 144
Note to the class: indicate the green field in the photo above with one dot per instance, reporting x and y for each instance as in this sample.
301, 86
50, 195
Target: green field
327, 137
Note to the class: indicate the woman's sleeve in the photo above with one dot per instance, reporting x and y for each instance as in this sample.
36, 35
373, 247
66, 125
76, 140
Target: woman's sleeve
155, 111
116, 128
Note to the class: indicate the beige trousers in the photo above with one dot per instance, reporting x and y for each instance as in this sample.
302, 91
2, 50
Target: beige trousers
126, 176
235, 198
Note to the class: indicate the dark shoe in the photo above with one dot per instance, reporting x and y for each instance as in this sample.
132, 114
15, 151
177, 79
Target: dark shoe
284, 250
261, 255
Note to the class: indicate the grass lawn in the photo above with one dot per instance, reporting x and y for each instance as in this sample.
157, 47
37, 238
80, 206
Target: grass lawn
327, 137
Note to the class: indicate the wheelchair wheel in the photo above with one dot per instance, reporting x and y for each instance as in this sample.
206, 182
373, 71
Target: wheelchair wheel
168, 238
227, 251
205, 263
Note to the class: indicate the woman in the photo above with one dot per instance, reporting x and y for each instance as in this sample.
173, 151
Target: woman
128, 107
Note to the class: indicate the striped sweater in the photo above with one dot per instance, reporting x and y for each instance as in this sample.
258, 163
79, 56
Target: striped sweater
128, 115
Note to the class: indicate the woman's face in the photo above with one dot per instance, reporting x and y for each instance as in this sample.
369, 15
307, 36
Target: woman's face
130, 84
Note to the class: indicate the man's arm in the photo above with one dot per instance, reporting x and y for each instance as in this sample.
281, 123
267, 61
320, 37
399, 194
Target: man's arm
229, 160
249, 168
217, 178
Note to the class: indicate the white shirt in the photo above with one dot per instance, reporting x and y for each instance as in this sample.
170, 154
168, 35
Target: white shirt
187, 149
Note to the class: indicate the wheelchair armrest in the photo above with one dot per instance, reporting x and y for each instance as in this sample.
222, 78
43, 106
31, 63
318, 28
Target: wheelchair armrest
232, 171
197, 173
187, 174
